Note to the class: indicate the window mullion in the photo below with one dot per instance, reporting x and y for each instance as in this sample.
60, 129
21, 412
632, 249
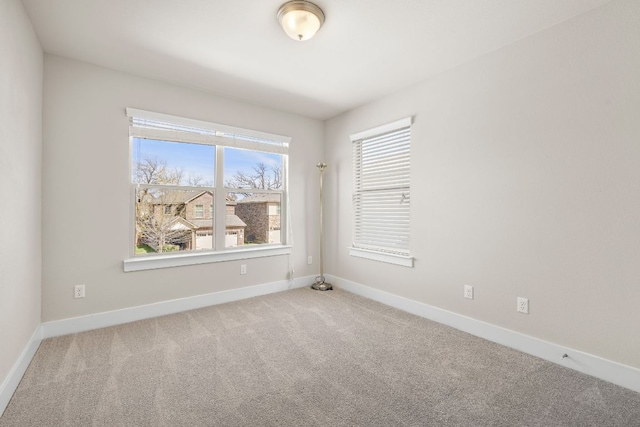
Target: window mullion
220, 205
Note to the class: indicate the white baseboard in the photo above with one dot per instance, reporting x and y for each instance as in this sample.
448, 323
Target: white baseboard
625, 376
117, 317
622, 375
10, 383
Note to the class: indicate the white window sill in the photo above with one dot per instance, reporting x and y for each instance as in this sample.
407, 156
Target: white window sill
405, 261
151, 262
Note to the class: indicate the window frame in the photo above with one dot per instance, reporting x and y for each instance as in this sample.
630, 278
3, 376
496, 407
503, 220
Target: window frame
382, 254
218, 136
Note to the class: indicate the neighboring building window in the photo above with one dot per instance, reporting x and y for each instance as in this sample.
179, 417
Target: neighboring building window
382, 193
179, 166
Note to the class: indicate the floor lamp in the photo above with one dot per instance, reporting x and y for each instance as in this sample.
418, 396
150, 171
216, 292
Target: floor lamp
320, 284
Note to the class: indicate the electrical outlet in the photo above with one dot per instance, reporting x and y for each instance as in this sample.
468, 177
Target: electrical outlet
78, 291
523, 305
309, 260
243, 269
468, 291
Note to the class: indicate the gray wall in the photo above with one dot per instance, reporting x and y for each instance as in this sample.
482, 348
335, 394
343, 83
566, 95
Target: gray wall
525, 182
20, 182
86, 193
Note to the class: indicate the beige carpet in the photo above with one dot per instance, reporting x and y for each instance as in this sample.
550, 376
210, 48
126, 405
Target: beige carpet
303, 358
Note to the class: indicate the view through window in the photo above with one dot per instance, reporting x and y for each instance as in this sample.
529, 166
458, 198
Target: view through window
203, 195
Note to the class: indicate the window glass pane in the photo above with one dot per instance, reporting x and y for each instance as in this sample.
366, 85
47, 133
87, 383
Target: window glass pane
253, 219
173, 163
166, 220
252, 169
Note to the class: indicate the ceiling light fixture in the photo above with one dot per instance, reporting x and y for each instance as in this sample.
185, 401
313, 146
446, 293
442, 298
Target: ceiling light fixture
300, 19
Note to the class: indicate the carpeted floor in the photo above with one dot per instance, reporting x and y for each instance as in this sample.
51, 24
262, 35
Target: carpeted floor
303, 358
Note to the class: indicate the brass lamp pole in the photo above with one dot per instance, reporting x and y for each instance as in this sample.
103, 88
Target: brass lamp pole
320, 284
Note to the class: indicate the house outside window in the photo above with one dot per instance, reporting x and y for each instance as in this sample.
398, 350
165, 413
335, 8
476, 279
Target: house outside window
262, 214
180, 166
382, 193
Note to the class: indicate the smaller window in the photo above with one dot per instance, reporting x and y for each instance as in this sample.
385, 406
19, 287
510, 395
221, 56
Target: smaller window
382, 193
167, 210
198, 211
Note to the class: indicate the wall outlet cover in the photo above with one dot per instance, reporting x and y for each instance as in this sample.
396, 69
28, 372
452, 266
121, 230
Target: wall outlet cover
78, 291
468, 291
523, 305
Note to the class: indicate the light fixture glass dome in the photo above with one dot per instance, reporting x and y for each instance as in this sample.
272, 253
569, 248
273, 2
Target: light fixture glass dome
300, 19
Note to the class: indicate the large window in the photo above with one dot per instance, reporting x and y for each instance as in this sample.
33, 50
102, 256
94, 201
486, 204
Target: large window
382, 193
202, 188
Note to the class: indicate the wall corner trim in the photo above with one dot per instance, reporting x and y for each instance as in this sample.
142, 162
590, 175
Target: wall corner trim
595, 366
10, 383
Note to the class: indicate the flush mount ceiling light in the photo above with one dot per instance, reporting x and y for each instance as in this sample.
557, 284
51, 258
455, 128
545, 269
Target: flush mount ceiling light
300, 19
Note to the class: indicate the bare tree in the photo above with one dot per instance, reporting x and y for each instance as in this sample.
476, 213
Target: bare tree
157, 223
158, 214
262, 177
198, 181
155, 171
160, 229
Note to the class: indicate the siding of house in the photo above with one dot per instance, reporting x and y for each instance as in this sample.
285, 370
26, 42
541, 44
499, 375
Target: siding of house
205, 199
256, 216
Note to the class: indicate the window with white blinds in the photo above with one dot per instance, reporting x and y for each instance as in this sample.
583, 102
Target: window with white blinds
158, 126
204, 192
382, 193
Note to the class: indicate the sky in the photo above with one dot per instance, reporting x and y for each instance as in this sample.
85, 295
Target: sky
197, 159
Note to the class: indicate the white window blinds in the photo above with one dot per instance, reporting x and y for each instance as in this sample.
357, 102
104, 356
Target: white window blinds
382, 194
150, 125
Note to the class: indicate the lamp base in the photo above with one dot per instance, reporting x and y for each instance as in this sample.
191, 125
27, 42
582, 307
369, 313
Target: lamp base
321, 285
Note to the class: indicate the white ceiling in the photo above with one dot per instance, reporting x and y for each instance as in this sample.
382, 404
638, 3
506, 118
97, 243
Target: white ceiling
235, 48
